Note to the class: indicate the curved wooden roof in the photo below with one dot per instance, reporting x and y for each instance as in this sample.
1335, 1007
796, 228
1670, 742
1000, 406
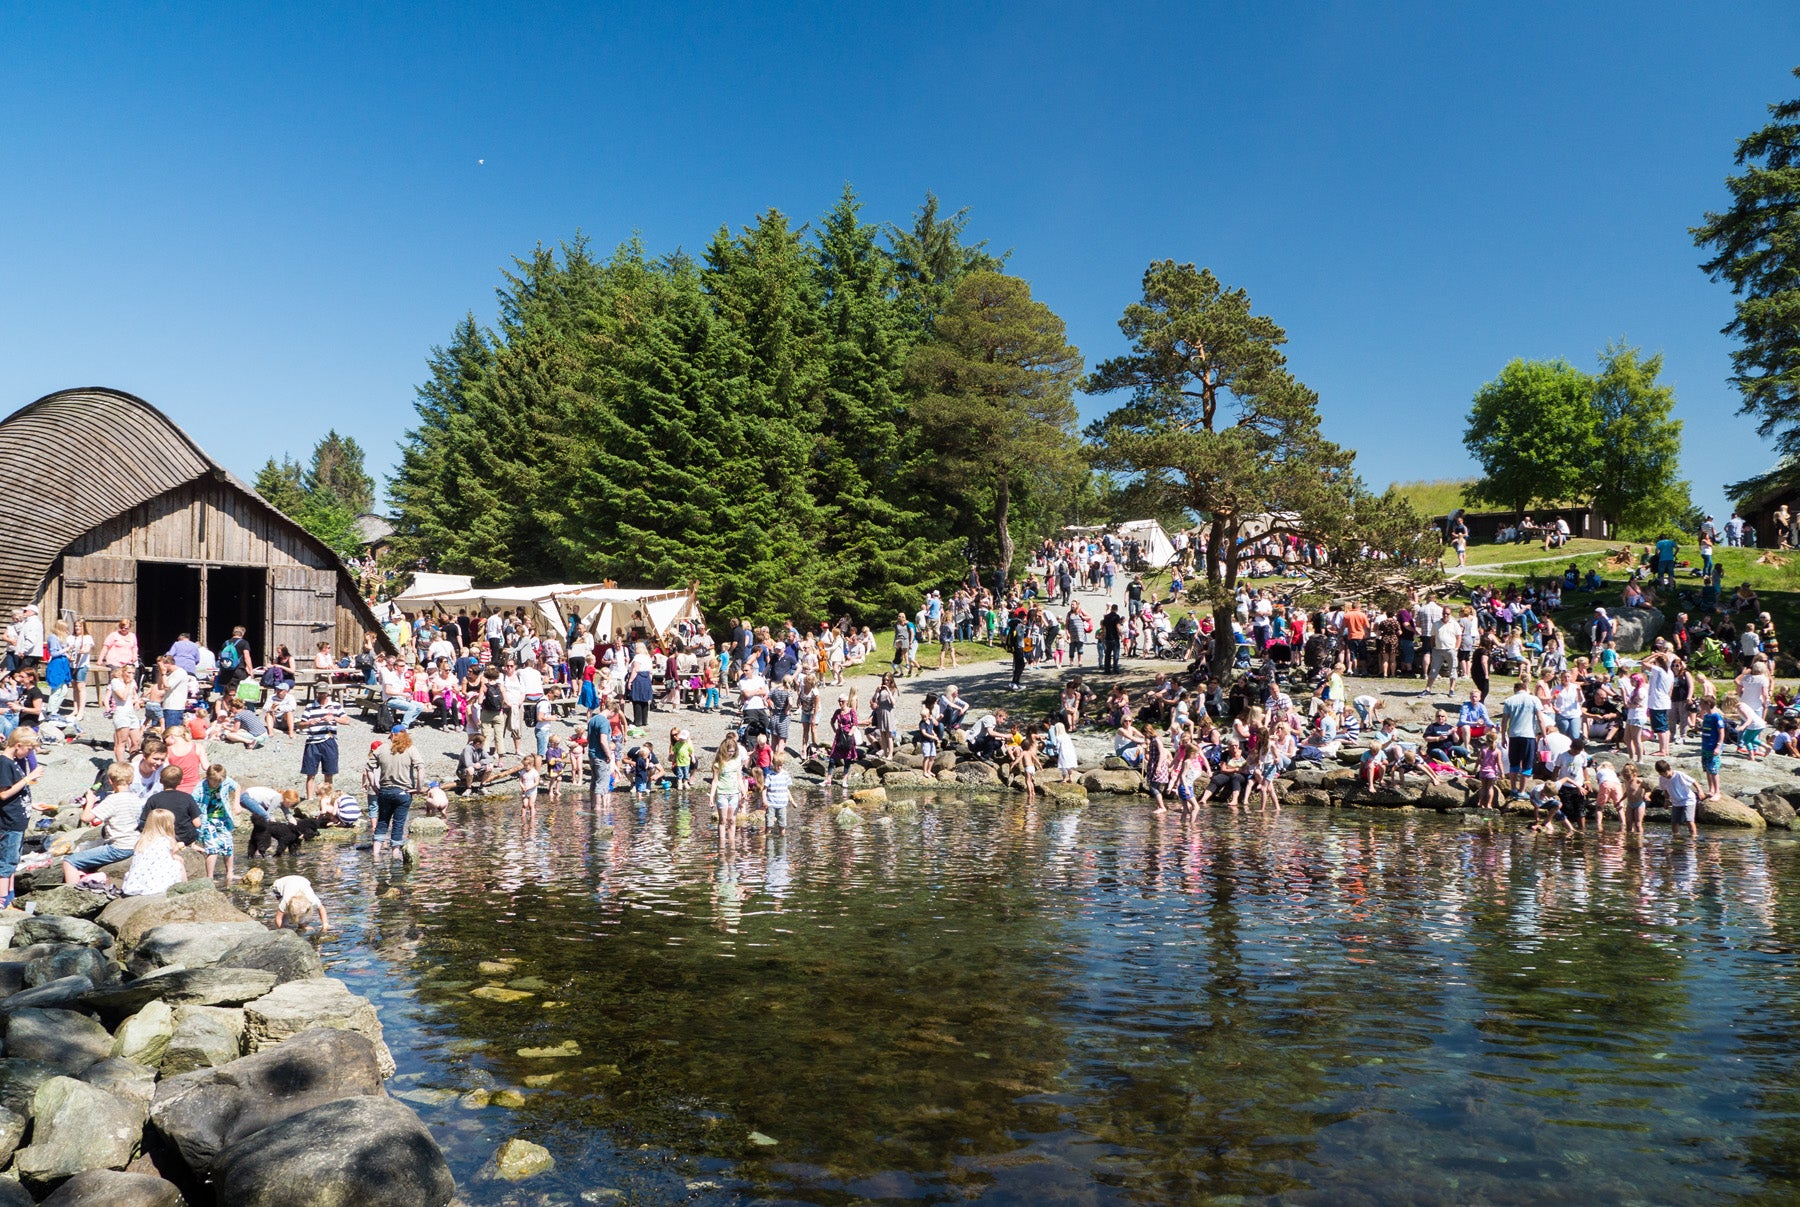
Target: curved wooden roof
75, 459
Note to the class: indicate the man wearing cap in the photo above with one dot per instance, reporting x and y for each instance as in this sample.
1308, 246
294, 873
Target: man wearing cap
1602, 630
28, 640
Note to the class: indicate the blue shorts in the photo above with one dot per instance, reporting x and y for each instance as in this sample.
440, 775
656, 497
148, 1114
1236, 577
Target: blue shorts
1709, 763
95, 858
320, 757
1659, 720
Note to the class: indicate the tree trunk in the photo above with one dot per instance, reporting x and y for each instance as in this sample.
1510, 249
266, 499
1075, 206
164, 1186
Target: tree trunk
1221, 576
1003, 531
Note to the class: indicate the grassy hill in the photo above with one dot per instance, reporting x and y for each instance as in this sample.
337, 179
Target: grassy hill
1434, 498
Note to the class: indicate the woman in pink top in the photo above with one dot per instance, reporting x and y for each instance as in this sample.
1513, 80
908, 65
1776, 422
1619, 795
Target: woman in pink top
120, 648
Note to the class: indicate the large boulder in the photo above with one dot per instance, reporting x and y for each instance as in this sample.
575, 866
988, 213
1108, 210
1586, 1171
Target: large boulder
70, 1041
12, 1130
64, 991
1635, 628
181, 986
1727, 811
123, 1079
76, 1126
978, 773
60, 929
902, 777
202, 1112
1775, 808
1063, 794
19, 1082
144, 1037
55, 961
111, 1188
189, 944
299, 1005
14, 1195
281, 952
65, 900
1121, 783
130, 918
205, 1037
370, 1152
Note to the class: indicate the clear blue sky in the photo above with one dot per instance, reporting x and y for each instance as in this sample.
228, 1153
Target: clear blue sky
261, 220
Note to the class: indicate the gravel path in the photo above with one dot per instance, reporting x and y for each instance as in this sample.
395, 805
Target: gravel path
71, 768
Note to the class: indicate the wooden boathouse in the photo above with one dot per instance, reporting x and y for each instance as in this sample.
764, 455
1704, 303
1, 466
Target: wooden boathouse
113, 511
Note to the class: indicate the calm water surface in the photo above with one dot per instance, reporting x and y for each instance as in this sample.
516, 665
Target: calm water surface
980, 1001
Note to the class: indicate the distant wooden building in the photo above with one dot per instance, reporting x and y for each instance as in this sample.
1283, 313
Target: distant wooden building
1758, 499
375, 533
1485, 526
113, 512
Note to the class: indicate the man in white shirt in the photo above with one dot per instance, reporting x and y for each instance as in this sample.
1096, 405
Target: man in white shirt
494, 630
440, 649
394, 694
28, 639
1446, 638
1427, 616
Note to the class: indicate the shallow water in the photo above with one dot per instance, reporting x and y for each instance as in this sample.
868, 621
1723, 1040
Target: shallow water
984, 1001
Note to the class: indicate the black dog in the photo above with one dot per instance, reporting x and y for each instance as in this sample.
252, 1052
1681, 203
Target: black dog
285, 837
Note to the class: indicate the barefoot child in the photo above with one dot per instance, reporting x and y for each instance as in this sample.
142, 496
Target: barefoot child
777, 786
1487, 772
528, 784
15, 801
556, 764
1712, 742
727, 781
296, 902
681, 756
644, 763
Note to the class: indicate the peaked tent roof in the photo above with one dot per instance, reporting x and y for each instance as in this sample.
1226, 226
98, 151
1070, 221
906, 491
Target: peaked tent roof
94, 454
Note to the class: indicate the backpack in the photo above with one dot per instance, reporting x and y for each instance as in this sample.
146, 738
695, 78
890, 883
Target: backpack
228, 655
493, 699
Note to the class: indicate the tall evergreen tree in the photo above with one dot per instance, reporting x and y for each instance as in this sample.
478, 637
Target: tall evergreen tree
427, 491
1756, 247
337, 469
997, 405
881, 529
930, 257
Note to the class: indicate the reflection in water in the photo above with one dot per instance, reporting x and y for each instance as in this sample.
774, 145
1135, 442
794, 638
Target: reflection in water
981, 1000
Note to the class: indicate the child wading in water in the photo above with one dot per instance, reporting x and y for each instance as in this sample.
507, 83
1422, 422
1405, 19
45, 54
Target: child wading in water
727, 781
556, 763
528, 784
681, 757
1487, 772
777, 784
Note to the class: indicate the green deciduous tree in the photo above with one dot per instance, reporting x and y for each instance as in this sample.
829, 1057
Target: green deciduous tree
1635, 475
1535, 433
1756, 247
996, 408
1215, 418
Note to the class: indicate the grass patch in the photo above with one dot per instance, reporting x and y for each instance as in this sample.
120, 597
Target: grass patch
1544, 563
1440, 497
882, 660
1777, 587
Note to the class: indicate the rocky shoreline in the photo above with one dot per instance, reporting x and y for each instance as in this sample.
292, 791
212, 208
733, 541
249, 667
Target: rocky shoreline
172, 1049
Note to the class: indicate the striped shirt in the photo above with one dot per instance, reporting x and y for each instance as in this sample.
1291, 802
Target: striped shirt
320, 721
775, 789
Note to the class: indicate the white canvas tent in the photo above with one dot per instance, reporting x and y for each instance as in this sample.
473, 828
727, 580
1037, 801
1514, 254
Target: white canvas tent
1159, 551
605, 610
425, 585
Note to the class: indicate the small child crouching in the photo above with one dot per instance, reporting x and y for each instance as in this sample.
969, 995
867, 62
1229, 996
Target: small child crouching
296, 902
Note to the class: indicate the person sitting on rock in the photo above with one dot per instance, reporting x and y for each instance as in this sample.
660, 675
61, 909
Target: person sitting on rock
475, 766
296, 901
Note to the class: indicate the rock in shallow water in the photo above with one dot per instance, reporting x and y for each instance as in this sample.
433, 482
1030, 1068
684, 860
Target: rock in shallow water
518, 1159
130, 918
372, 1152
